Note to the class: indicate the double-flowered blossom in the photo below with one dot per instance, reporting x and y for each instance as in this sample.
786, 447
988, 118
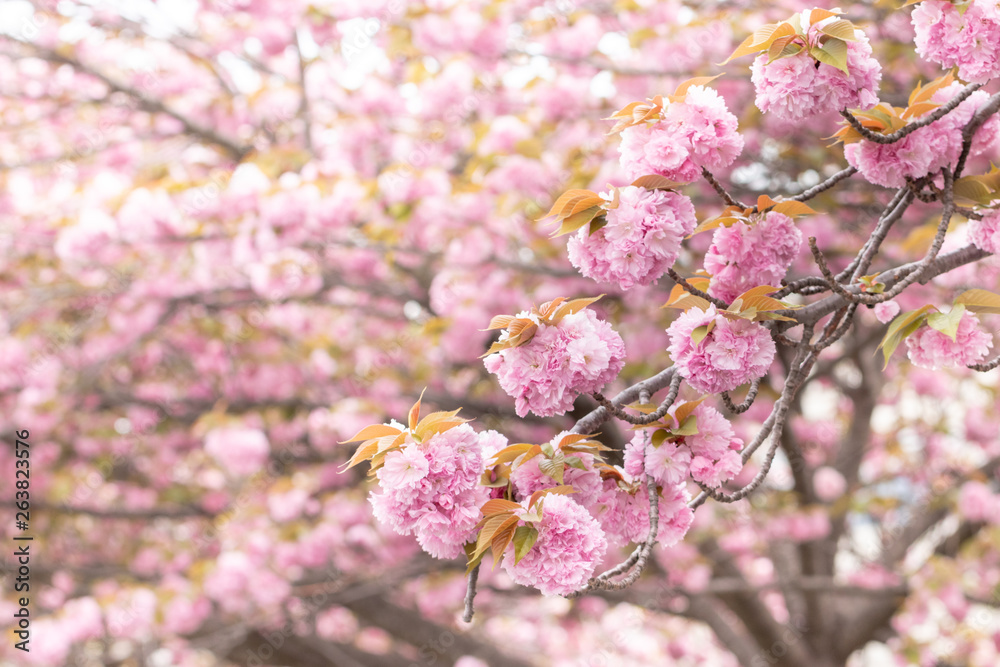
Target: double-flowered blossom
431, 489
710, 456
734, 351
969, 40
985, 233
548, 355
799, 86
640, 241
569, 547
586, 480
429, 476
928, 149
751, 253
676, 138
625, 512
933, 349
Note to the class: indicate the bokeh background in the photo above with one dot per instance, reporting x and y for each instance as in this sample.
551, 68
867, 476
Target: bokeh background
234, 232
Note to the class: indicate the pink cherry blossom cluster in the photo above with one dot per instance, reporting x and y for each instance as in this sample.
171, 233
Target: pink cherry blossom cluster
985, 233
570, 544
607, 507
586, 481
747, 254
711, 456
969, 40
580, 354
797, 87
641, 240
734, 352
431, 489
930, 348
624, 512
928, 149
698, 132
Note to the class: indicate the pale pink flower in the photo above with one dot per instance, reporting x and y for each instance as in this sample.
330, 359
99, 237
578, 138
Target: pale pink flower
641, 240
886, 311
743, 256
797, 87
929, 348
977, 502
286, 273
580, 354
337, 624
528, 477
666, 462
927, 150
985, 233
716, 473
625, 514
431, 490
183, 615
733, 353
83, 619
715, 434
404, 468
970, 41
569, 547
698, 132
710, 456
240, 450
829, 484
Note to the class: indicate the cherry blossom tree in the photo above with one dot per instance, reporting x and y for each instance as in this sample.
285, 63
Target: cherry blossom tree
611, 295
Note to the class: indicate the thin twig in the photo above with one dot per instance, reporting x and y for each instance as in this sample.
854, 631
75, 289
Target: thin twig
726, 197
676, 277
747, 402
470, 594
924, 121
991, 107
662, 410
825, 185
987, 366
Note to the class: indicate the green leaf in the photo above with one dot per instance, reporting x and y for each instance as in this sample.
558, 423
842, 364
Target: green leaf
512, 452
656, 182
597, 223
490, 528
971, 188
841, 29
539, 496
833, 53
553, 467
472, 556
577, 220
792, 208
689, 427
779, 47
947, 323
685, 410
901, 327
501, 539
980, 301
699, 334
374, 431
498, 506
524, 539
